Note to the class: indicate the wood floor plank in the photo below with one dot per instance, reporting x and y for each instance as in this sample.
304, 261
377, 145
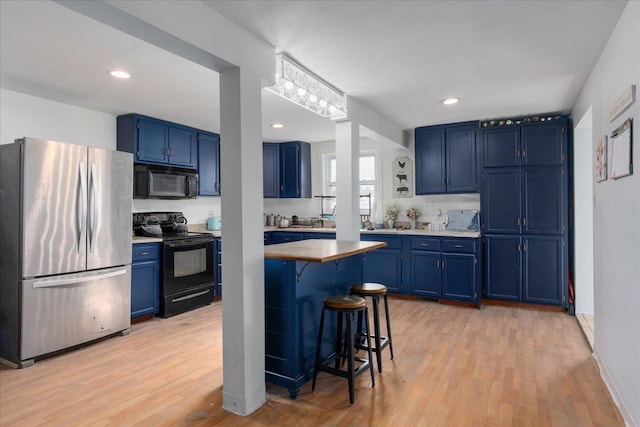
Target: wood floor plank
499, 366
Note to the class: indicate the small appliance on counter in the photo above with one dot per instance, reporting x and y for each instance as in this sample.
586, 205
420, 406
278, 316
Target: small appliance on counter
460, 220
213, 222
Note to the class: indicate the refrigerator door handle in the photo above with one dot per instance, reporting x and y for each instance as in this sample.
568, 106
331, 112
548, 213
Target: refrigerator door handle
83, 192
93, 226
76, 278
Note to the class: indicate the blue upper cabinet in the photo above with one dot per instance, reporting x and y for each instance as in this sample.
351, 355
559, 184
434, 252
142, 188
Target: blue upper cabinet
271, 170
430, 161
542, 143
208, 164
446, 160
286, 169
501, 146
533, 144
501, 200
295, 170
157, 142
543, 200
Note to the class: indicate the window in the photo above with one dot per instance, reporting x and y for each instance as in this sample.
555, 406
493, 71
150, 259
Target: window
367, 182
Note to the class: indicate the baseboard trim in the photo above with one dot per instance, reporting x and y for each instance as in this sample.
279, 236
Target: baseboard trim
615, 394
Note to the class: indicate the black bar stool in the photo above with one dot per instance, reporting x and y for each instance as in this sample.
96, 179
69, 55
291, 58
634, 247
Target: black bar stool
346, 305
375, 291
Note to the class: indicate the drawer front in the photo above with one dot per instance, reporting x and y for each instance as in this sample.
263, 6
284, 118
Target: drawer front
393, 242
145, 251
459, 245
425, 244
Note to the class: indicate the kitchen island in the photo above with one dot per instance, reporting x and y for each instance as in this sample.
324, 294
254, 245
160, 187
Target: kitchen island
298, 277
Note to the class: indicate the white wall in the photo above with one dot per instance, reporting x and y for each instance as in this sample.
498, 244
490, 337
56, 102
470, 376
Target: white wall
583, 213
616, 221
26, 115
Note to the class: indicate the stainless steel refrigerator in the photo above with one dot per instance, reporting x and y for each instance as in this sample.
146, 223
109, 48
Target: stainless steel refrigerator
65, 246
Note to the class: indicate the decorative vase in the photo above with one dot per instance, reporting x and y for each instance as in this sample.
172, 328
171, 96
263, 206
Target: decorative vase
413, 223
390, 223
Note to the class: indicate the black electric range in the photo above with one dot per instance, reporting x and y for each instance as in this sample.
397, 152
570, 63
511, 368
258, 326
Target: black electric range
188, 274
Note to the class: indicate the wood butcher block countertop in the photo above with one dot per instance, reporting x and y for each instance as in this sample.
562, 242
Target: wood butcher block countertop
318, 250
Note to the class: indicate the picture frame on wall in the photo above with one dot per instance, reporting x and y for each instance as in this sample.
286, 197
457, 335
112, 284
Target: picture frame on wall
402, 176
601, 159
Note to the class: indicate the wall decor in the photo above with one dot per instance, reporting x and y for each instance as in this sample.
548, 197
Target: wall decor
402, 175
620, 147
601, 159
625, 101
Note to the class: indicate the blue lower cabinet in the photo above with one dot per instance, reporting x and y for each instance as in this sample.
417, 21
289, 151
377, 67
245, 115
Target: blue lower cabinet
426, 275
145, 279
385, 267
503, 279
459, 277
544, 272
445, 268
284, 237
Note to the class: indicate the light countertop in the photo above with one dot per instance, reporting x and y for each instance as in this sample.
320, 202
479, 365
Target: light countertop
318, 250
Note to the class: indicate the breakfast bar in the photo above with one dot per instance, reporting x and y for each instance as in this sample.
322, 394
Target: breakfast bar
298, 277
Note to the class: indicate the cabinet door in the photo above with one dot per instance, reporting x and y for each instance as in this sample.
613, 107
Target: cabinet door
501, 200
542, 144
544, 271
459, 276
289, 170
145, 290
183, 147
384, 267
153, 142
461, 159
503, 259
501, 146
430, 161
542, 200
208, 164
270, 170
426, 274
284, 237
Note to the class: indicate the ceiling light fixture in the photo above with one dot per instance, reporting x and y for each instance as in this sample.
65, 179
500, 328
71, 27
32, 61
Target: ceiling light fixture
277, 125
450, 101
119, 74
299, 85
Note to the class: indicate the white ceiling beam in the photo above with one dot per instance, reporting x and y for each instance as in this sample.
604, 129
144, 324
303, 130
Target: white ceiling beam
374, 125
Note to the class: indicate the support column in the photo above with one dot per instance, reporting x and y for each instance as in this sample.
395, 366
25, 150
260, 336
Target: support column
348, 181
242, 240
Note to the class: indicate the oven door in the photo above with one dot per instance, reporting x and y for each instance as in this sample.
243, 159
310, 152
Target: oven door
188, 264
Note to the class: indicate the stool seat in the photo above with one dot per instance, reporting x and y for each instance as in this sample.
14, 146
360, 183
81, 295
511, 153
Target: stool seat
369, 289
345, 302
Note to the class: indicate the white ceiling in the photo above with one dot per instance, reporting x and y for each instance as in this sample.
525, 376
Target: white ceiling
401, 58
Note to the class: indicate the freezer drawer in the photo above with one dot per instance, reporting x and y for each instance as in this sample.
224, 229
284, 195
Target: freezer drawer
66, 310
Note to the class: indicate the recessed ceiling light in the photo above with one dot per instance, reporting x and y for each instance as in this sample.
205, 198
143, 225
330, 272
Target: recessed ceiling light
119, 74
277, 125
450, 101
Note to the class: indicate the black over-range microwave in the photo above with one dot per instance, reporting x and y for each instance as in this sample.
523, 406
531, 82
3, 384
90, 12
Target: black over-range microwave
163, 182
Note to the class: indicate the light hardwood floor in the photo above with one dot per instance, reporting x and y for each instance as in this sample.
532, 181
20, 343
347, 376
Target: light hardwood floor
454, 366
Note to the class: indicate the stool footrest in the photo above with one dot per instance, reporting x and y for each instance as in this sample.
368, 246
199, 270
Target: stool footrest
384, 341
342, 373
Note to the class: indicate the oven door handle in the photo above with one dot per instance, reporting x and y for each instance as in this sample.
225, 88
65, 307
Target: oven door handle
197, 294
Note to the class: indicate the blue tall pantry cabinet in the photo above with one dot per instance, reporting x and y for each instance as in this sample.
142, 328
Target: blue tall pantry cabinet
525, 211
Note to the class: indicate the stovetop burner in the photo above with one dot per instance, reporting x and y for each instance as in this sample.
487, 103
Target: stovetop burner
161, 224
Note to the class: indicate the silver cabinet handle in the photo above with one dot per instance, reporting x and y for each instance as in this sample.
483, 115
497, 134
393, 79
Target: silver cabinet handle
144, 253
424, 244
458, 246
